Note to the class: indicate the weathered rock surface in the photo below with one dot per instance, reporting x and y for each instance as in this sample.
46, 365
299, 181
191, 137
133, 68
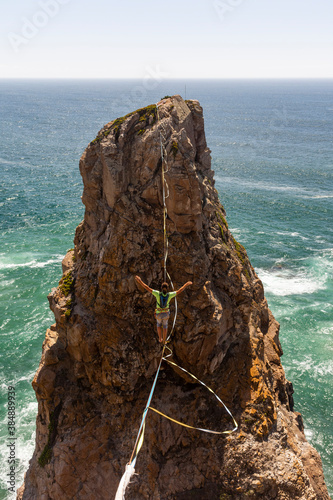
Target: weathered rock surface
100, 356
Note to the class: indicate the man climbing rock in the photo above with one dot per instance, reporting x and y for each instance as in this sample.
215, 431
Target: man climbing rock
162, 311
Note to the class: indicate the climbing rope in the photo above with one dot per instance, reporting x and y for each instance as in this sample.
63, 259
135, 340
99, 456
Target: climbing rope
130, 467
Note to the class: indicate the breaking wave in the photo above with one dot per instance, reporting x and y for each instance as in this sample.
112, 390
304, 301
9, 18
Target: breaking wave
308, 279
31, 263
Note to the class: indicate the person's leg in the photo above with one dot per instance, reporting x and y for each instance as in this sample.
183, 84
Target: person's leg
159, 327
160, 334
165, 327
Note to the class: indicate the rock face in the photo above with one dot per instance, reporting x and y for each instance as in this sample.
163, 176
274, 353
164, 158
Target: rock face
100, 357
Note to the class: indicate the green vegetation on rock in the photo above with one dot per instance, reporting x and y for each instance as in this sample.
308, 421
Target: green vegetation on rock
46, 454
242, 255
66, 284
144, 114
69, 305
218, 214
174, 148
225, 496
116, 125
222, 232
222, 226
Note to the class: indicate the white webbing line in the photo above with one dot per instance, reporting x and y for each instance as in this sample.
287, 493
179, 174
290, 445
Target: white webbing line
165, 189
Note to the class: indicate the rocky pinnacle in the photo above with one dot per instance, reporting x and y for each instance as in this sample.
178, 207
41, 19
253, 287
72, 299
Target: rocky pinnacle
100, 356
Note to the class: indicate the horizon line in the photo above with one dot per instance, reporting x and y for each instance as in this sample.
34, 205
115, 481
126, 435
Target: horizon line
167, 79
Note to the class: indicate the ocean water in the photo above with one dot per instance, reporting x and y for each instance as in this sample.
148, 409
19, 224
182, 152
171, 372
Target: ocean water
271, 145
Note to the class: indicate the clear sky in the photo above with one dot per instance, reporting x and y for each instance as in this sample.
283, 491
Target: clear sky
175, 38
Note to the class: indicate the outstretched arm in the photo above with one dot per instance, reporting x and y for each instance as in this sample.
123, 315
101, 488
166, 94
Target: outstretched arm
183, 287
140, 282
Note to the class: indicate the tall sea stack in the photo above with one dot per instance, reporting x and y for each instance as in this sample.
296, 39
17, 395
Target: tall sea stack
100, 357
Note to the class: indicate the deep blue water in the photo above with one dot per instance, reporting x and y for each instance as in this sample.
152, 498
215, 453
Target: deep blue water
271, 145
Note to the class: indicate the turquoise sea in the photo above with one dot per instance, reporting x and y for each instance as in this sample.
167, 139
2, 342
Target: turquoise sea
271, 145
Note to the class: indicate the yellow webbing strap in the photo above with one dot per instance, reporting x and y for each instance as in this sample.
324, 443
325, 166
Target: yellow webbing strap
140, 442
189, 426
165, 358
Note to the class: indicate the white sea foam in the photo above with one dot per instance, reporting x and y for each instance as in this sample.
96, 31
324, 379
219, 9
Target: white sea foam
284, 282
319, 196
4, 265
48, 262
5, 161
267, 186
27, 378
324, 369
31, 263
294, 234
326, 330
308, 434
237, 232
5, 283
317, 369
4, 323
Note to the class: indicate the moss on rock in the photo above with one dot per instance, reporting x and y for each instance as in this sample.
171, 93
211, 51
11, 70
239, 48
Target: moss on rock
144, 114
174, 148
46, 454
66, 284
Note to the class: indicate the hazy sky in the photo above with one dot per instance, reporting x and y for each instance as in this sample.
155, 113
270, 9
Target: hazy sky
176, 39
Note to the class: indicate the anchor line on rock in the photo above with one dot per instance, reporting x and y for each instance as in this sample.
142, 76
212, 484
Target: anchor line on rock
130, 467
165, 195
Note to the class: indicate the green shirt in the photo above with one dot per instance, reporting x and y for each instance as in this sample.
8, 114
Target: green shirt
160, 309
